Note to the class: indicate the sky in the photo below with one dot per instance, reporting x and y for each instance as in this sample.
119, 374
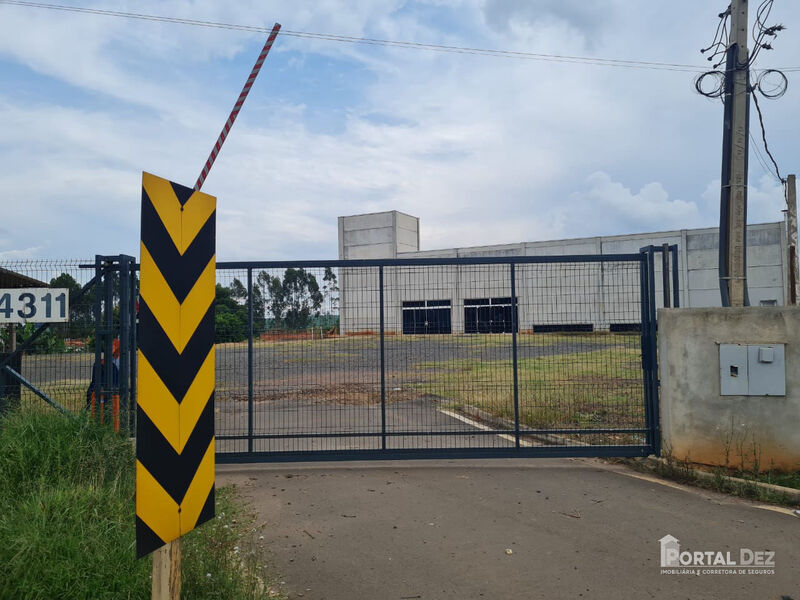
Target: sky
485, 150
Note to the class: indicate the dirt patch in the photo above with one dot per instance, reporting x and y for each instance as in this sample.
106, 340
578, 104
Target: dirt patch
345, 394
340, 394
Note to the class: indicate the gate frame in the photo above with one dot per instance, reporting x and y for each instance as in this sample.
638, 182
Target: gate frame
651, 430
125, 267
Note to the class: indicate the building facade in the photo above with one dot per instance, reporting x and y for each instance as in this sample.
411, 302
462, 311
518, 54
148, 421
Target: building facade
564, 297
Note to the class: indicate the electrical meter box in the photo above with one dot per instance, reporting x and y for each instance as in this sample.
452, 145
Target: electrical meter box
752, 370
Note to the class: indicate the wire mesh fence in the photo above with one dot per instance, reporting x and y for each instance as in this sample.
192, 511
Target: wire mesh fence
397, 356
87, 362
60, 361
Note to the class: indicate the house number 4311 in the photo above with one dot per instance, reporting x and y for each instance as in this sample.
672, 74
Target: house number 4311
34, 305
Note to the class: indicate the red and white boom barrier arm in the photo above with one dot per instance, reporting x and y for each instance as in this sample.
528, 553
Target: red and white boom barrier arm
238, 106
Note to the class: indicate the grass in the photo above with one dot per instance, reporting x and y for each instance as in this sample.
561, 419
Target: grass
723, 480
791, 480
70, 393
581, 380
579, 389
67, 519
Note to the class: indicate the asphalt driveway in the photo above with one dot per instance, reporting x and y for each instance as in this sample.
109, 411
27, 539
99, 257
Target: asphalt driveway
540, 528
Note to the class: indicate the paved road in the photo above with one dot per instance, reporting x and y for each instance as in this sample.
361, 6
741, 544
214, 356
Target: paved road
421, 417
576, 529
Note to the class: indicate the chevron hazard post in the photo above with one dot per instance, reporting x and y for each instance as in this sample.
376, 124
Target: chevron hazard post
175, 414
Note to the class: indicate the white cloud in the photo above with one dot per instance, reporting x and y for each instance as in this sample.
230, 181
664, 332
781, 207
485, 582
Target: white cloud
765, 199
484, 150
612, 208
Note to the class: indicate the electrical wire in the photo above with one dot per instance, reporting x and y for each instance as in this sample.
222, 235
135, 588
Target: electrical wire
764, 138
721, 39
760, 157
635, 64
764, 30
777, 90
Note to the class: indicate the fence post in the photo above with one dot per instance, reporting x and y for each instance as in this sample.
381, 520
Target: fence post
514, 326
134, 313
665, 273
97, 373
653, 355
109, 389
124, 336
644, 298
383, 358
250, 360
676, 296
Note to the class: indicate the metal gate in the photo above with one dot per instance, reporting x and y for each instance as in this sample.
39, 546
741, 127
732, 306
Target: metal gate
313, 362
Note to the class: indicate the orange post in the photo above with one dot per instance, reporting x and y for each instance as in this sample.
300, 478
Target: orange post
115, 411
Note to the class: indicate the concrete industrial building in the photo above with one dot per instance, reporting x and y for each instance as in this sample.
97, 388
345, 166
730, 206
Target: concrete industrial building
582, 296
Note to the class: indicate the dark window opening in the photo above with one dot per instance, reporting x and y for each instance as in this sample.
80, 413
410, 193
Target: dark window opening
564, 328
624, 327
427, 317
414, 304
490, 315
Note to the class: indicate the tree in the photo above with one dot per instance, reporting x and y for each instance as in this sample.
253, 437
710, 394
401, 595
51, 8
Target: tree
48, 343
232, 312
81, 312
331, 288
238, 291
230, 318
293, 300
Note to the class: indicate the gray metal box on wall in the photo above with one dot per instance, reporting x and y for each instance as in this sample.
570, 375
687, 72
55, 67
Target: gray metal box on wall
752, 370
733, 370
766, 370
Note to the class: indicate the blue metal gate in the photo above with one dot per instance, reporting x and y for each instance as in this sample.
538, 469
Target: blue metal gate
319, 360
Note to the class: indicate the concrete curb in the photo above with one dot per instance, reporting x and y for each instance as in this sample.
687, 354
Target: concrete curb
652, 463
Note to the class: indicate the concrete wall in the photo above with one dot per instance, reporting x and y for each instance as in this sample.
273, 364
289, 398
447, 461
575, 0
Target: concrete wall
698, 252
377, 235
700, 424
374, 235
607, 294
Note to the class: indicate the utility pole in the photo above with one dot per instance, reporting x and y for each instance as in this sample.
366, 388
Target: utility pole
791, 226
733, 205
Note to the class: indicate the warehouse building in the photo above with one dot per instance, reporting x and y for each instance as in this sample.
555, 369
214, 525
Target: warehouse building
587, 296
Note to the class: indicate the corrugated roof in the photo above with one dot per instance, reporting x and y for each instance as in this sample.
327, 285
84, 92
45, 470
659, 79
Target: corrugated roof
10, 279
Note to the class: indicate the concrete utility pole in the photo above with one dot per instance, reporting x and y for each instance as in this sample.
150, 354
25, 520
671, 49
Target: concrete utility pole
791, 226
733, 281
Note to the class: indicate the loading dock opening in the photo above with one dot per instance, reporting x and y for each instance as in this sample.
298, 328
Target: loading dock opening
427, 316
490, 315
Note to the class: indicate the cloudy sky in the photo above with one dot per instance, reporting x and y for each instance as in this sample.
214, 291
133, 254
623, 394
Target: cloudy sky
483, 149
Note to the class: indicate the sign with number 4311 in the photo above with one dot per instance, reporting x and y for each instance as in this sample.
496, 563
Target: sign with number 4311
34, 305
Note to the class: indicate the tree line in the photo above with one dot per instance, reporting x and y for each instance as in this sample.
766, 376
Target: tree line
293, 301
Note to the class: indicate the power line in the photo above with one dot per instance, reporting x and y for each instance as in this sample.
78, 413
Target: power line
764, 137
761, 160
608, 62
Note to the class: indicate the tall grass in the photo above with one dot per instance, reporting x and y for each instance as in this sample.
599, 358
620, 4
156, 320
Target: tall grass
579, 389
67, 519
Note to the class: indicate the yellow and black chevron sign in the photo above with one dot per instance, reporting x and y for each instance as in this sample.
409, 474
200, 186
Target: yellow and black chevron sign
175, 416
